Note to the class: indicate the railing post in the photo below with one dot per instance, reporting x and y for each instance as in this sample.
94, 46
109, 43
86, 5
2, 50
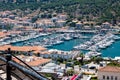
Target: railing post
8, 67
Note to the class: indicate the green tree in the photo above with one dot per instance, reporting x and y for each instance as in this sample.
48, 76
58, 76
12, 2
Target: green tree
96, 59
114, 63
72, 24
70, 72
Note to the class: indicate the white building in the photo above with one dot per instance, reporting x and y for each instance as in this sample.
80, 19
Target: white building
106, 25
79, 25
53, 53
60, 23
53, 68
45, 23
109, 73
62, 16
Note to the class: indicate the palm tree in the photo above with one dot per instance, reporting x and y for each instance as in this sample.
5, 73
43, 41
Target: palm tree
82, 58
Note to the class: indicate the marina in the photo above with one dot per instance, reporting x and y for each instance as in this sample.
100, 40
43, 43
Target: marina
67, 42
51, 40
21, 38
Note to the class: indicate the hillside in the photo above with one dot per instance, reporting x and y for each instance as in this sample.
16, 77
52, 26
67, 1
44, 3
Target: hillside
95, 10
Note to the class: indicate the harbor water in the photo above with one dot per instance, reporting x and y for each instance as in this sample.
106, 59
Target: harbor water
111, 51
68, 45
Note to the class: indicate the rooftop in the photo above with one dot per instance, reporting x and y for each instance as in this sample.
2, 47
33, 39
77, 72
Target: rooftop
4, 34
22, 48
110, 69
32, 60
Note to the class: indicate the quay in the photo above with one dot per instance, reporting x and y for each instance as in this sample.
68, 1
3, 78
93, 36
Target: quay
77, 31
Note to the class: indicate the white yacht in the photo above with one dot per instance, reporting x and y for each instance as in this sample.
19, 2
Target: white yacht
93, 53
82, 47
116, 37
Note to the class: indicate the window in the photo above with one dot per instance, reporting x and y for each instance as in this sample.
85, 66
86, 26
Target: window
107, 77
116, 78
103, 77
111, 77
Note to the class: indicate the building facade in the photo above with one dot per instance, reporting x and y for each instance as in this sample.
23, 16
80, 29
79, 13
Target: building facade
109, 73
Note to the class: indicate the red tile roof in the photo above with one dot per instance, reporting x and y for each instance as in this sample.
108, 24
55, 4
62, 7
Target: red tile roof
33, 60
110, 69
22, 48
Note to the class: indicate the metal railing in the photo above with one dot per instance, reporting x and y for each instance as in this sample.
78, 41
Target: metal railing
29, 71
